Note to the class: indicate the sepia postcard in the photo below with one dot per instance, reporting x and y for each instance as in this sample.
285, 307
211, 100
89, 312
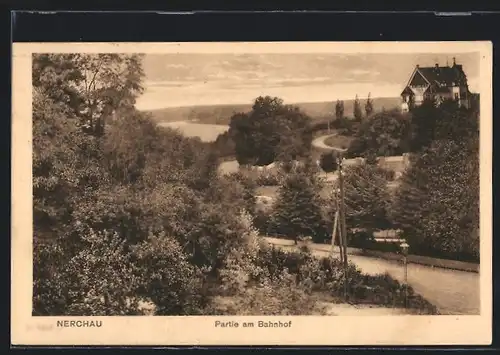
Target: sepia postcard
267, 193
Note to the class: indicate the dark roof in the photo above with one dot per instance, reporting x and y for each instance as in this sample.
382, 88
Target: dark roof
444, 75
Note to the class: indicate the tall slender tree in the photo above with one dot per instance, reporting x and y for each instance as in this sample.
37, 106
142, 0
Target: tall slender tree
358, 113
339, 110
369, 106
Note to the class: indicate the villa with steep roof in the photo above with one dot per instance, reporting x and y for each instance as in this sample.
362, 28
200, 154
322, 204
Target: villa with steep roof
437, 83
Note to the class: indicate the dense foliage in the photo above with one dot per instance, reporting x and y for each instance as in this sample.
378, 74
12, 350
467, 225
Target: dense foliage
436, 201
270, 132
92, 87
328, 162
313, 274
131, 218
437, 204
385, 134
297, 211
104, 203
366, 197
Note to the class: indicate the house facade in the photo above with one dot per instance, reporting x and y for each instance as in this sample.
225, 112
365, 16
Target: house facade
437, 83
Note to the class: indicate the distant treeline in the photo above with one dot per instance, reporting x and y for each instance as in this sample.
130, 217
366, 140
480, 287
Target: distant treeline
221, 114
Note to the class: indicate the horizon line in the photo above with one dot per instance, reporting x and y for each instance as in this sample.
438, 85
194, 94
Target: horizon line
285, 103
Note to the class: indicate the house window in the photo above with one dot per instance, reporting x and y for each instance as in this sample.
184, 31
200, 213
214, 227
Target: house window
456, 96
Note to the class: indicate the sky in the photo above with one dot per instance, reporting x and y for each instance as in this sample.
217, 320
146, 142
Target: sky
187, 79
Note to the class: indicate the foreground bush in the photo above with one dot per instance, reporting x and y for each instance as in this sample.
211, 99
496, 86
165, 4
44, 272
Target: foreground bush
98, 280
168, 279
327, 275
273, 298
105, 277
250, 286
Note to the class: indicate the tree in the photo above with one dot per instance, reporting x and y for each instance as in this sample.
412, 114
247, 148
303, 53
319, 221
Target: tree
339, 110
98, 198
456, 123
66, 165
270, 131
437, 203
431, 122
366, 197
328, 162
111, 289
127, 145
167, 278
369, 106
58, 76
205, 171
93, 86
297, 209
245, 187
423, 121
53, 159
358, 113
49, 291
386, 133
224, 145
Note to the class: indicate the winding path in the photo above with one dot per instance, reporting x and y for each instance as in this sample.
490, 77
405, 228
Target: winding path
319, 143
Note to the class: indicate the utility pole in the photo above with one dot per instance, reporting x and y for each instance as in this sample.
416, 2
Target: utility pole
335, 227
343, 224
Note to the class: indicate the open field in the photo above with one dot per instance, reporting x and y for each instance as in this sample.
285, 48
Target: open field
206, 132
221, 114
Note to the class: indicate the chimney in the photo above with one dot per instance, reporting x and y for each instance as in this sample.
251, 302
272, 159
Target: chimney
454, 62
418, 66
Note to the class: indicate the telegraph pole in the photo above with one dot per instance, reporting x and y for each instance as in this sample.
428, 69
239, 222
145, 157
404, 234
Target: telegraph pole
334, 231
343, 228
336, 226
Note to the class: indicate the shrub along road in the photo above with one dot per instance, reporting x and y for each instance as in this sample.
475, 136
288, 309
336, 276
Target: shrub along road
451, 291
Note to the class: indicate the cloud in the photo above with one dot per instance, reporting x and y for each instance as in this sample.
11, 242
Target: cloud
363, 72
168, 83
235, 78
175, 66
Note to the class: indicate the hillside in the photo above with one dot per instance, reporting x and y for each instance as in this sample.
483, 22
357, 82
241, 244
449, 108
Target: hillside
220, 114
